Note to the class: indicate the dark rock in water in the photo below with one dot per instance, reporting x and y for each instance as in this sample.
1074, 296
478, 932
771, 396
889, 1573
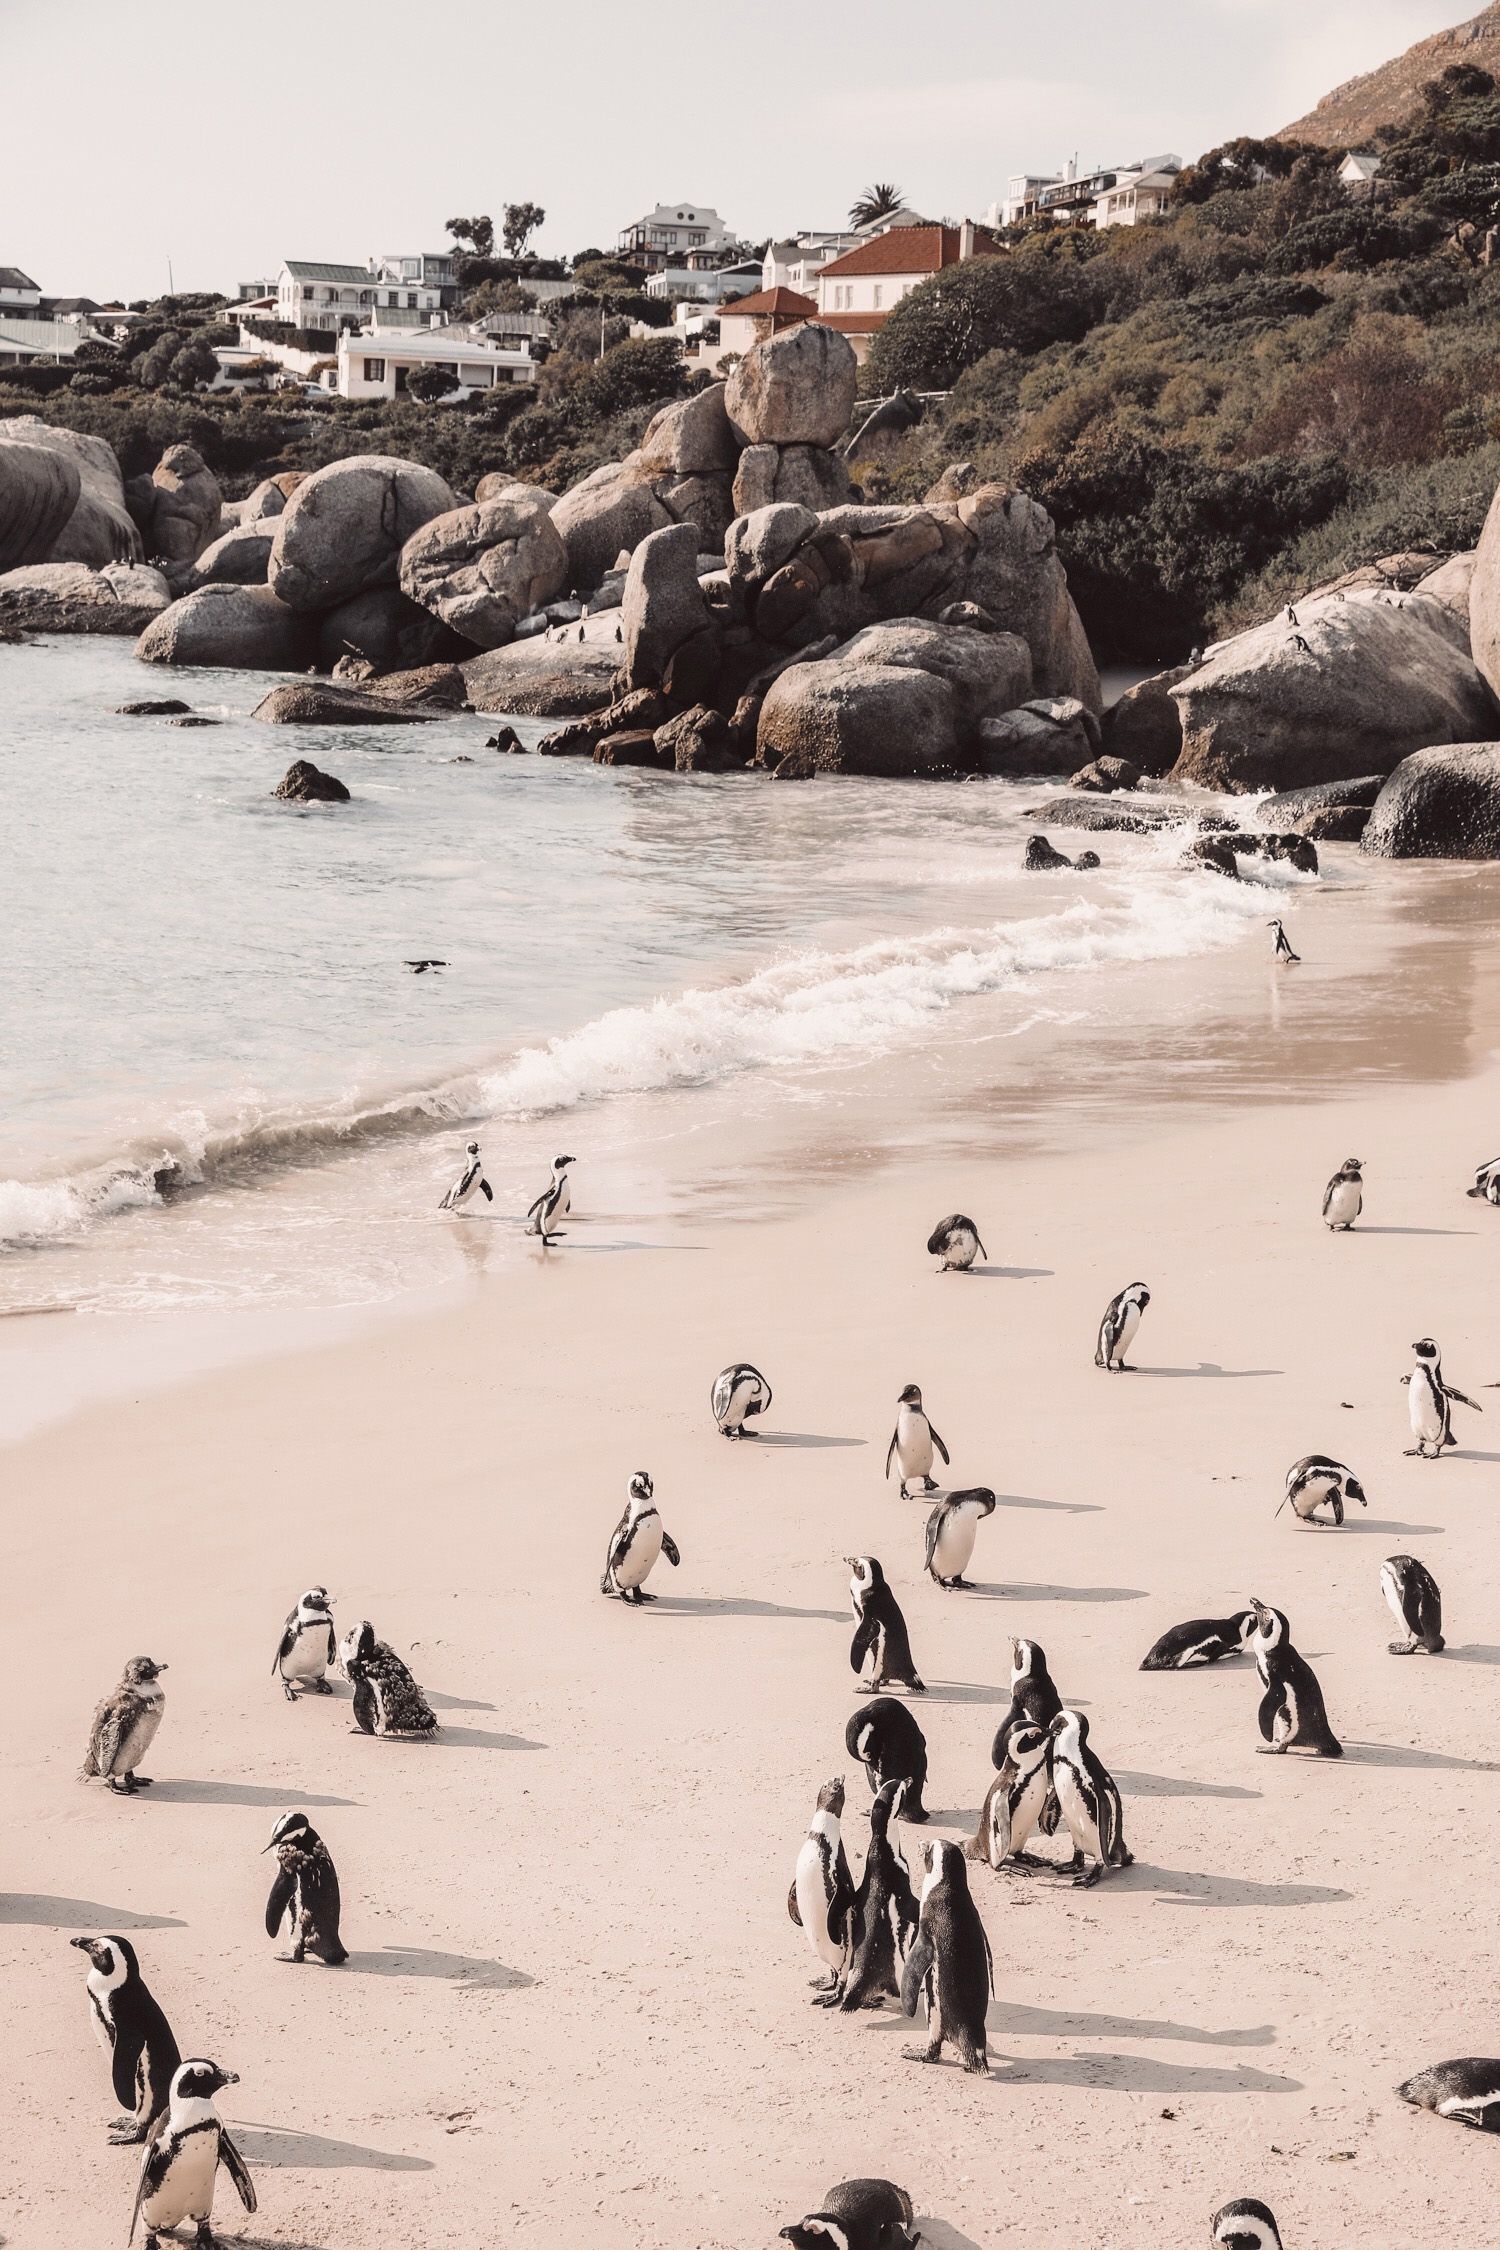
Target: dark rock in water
1042, 857
542, 679
318, 703
642, 707
1209, 853
1442, 803
1298, 851
1335, 812
1145, 725
193, 719
505, 738
1104, 775
153, 707
69, 597
307, 784
699, 741
436, 687
636, 746
1086, 862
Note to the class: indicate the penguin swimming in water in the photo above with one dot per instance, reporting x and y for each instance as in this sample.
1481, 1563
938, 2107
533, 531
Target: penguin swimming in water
180, 2169
308, 1646
821, 1898
470, 1182
124, 1727
1014, 1801
857, 2215
1089, 1799
1467, 2091
554, 1203
891, 1747
636, 1541
306, 1889
1318, 1481
955, 1244
1414, 1601
885, 1913
1034, 1701
1202, 1640
951, 1531
913, 1443
949, 1963
1122, 1317
387, 1700
738, 1393
130, 2026
1292, 1714
1431, 1403
1344, 1196
1281, 949
879, 1628
1244, 2224
1487, 1182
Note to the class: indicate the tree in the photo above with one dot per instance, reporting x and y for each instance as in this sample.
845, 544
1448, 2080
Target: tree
479, 233
1018, 303
881, 200
429, 384
196, 364
521, 221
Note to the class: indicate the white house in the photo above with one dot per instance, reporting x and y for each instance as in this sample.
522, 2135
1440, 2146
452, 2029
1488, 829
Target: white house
18, 292
749, 319
379, 362
702, 285
664, 236
1141, 191
1358, 169
313, 295
858, 292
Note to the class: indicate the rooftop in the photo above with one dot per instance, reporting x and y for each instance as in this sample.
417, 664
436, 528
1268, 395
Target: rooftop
908, 250
775, 304
11, 277
301, 269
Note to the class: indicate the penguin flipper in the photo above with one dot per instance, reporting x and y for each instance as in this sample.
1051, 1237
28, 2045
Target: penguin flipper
890, 1455
1270, 1705
286, 1645
862, 1643
125, 2061
278, 1902
918, 1968
791, 1904
486, 1191
234, 2165
934, 1525
153, 2169
938, 1443
982, 1250
1463, 1401
669, 1549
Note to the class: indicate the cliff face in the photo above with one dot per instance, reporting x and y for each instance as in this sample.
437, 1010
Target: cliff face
1349, 115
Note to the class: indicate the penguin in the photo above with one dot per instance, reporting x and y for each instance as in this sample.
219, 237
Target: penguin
738, 1393
1245, 2224
308, 1646
951, 1531
387, 1700
857, 2215
1414, 1601
1302, 644
885, 1913
554, 1203
1318, 1481
1431, 1403
890, 1746
124, 1727
470, 1182
821, 1898
1467, 2090
1344, 1196
180, 2169
1122, 1317
1034, 1701
913, 1443
1291, 615
949, 1963
1089, 1799
1203, 1640
1014, 1801
1487, 1182
1282, 945
1292, 1713
134, 2033
420, 968
306, 1889
879, 1628
955, 1244
636, 1541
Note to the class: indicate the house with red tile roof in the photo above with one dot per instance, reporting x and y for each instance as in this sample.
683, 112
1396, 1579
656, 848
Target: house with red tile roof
750, 319
858, 293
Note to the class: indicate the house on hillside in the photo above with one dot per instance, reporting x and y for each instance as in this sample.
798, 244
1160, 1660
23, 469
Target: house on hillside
665, 236
19, 294
858, 292
703, 285
1142, 191
310, 294
379, 363
749, 320
1358, 170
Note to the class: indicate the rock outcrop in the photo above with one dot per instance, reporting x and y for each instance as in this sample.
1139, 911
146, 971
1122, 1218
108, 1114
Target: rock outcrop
325, 703
1443, 802
241, 626
1046, 738
482, 569
1484, 597
544, 679
1334, 812
796, 388
671, 641
344, 527
99, 530
307, 784
241, 556
187, 506
699, 740
1145, 725
609, 513
38, 492
68, 597
267, 501
883, 719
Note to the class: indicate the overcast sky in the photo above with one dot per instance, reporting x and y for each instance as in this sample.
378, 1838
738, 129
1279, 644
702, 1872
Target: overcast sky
227, 137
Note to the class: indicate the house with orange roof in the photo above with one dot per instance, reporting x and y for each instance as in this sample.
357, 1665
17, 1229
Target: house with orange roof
858, 292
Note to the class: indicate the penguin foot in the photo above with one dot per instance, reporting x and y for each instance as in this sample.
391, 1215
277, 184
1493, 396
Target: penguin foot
1270, 1749
1402, 1648
1024, 1862
824, 1984
921, 2054
1086, 1881
959, 1585
826, 1999
916, 1686
322, 1687
130, 2134
289, 1691
928, 1484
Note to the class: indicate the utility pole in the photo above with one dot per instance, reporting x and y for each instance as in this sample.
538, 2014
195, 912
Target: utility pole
171, 284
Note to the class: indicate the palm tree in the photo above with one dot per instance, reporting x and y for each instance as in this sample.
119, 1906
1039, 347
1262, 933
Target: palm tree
879, 201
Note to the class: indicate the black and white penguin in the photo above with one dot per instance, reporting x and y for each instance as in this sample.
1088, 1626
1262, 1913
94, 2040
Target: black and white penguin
738, 1393
951, 1531
885, 1913
1292, 1714
1202, 1640
1282, 944
308, 1647
634, 1544
955, 1243
1412, 1595
470, 1182
180, 2169
1245, 2224
949, 1964
1467, 2091
124, 1727
857, 2215
1344, 1196
1431, 1403
554, 1203
306, 1889
891, 1747
821, 1898
879, 1629
1487, 1182
1122, 1317
1089, 1799
134, 2033
913, 1443
1014, 1801
1318, 1481
387, 1700
1034, 1701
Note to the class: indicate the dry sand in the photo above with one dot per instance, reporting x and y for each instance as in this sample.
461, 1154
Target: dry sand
576, 2010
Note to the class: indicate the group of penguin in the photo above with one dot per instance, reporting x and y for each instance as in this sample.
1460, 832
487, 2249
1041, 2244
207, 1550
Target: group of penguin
878, 2215
545, 1215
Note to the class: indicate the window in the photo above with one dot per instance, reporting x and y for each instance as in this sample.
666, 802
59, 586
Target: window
365, 296
392, 297
374, 370
411, 300
879, 296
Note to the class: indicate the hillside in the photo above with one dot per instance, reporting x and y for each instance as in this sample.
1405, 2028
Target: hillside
1348, 116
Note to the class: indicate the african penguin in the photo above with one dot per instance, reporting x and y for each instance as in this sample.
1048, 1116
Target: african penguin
1282, 944
1089, 1800
308, 1646
1014, 1800
306, 1890
738, 1393
879, 1629
1467, 2090
1414, 1601
1318, 1481
1122, 1317
1292, 1714
387, 1700
1344, 1196
1245, 2224
951, 1531
821, 1898
470, 1182
857, 2215
891, 1747
133, 2031
124, 1727
955, 1243
634, 1544
1202, 1640
554, 1203
949, 1964
885, 1912
180, 2169
1034, 1701
1430, 1405
913, 1443
1487, 1182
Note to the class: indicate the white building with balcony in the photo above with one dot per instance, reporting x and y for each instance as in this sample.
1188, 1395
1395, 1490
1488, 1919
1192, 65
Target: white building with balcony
379, 362
665, 236
310, 294
1141, 191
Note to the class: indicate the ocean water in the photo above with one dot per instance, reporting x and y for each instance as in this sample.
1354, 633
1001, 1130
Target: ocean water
223, 1083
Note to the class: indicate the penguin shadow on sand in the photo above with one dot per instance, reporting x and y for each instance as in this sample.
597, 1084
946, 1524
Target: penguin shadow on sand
739, 1605
1473, 1652
1015, 1592
1404, 1756
476, 1738
1009, 1273
942, 2235
1389, 1530
1058, 1507
1175, 1785
1014, 2019
236, 1793
39, 1911
450, 1968
1207, 1370
1140, 2074
807, 1440
1181, 1886
281, 2147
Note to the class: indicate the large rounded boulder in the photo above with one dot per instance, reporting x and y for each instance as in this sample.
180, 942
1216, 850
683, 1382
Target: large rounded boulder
1440, 803
187, 505
608, 514
482, 569
345, 526
99, 530
234, 626
796, 388
68, 597
1484, 598
690, 438
241, 557
989, 672
387, 629
38, 492
832, 717
1015, 574
670, 639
